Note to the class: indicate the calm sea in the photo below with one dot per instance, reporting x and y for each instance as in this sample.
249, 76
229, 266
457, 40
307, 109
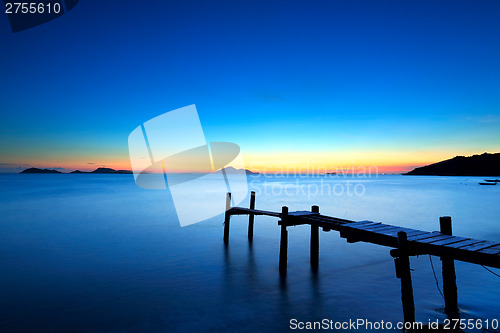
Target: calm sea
96, 253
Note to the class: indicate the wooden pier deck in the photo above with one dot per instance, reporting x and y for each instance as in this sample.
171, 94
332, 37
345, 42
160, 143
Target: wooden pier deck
420, 242
405, 242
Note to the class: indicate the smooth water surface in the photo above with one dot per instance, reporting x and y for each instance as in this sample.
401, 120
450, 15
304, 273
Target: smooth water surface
96, 253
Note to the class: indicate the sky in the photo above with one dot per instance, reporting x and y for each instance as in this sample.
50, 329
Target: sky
297, 84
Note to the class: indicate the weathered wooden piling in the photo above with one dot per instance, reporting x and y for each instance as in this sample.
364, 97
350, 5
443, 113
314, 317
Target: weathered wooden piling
284, 240
314, 250
227, 218
403, 272
251, 217
449, 278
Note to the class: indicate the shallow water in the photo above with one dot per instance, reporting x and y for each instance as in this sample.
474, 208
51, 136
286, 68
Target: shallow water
96, 253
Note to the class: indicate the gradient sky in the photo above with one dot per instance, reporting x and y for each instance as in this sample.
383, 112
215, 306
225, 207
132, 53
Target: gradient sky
395, 84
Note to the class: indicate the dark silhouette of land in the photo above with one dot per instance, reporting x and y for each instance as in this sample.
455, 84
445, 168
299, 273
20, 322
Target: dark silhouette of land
476, 165
36, 170
105, 170
229, 170
98, 170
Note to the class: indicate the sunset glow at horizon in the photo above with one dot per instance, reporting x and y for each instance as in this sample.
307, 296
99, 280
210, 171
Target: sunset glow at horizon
279, 163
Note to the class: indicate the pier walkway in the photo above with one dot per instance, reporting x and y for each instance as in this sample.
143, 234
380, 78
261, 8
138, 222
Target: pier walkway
405, 242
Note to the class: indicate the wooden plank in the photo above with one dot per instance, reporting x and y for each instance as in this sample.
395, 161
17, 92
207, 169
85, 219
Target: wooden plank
466, 242
302, 213
362, 227
381, 230
409, 232
433, 239
364, 221
322, 219
415, 232
354, 224
423, 236
479, 246
246, 211
377, 225
334, 219
380, 227
491, 250
452, 240
357, 228
393, 231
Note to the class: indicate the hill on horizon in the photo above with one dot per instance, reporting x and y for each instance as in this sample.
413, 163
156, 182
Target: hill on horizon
98, 170
230, 170
104, 170
37, 170
113, 171
476, 165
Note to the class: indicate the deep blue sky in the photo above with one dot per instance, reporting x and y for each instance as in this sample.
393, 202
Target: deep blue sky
376, 82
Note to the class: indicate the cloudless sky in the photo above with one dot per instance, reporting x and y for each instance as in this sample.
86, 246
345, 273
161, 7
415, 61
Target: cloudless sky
395, 84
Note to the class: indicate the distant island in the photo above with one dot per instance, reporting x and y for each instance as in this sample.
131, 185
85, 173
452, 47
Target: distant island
105, 170
36, 170
229, 170
98, 170
476, 165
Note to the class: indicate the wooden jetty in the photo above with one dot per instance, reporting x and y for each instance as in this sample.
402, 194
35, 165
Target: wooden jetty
405, 242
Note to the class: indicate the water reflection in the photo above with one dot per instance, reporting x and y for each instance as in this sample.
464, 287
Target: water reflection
113, 263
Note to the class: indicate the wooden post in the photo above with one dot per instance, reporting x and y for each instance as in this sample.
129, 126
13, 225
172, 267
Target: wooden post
283, 241
227, 218
449, 277
314, 249
403, 272
251, 217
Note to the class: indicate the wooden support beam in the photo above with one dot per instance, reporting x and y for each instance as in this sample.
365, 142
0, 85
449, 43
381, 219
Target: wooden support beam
227, 218
403, 272
314, 250
449, 277
283, 241
251, 217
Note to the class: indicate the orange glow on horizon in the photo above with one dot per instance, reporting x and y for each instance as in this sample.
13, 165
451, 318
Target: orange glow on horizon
282, 162
318, 163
